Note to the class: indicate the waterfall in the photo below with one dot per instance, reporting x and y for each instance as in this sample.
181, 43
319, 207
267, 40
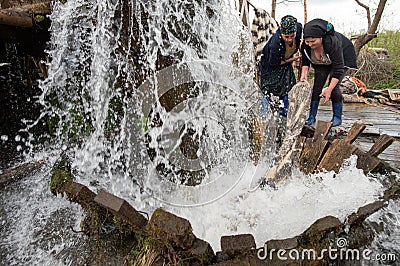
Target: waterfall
110, 53
150, 100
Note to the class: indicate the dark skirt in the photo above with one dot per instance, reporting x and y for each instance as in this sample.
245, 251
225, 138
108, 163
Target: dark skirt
278, 81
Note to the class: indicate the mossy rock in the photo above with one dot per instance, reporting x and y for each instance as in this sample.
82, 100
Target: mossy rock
61, 175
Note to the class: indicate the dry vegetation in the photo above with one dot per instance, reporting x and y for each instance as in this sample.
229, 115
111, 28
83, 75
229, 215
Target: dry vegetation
379, 71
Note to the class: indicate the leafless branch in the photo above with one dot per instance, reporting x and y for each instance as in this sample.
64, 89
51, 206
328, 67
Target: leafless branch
368, 12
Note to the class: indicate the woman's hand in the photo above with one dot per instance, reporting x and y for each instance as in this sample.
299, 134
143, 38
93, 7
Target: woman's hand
326, 94
304, 73
292, 59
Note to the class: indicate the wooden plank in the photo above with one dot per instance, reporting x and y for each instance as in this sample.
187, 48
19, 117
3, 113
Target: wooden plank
321, 130
315, 148
80, 194
378, 121
335, 155
390, 155
121, 209
366, 162
354, 132
380, 145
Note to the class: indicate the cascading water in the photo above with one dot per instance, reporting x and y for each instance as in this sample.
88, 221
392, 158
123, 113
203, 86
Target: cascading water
147, 98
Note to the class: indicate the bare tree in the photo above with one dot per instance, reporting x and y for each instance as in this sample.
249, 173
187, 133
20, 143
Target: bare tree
371, 33
273, 8
275, 2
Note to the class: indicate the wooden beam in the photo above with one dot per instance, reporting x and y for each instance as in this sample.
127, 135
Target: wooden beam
366, 162
380, 145
122, 209
335, 155
315, 148
354, 132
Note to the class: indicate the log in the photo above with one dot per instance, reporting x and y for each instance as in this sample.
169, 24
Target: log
80, 194
24, 16
335, 155
314, 148
366, 162
380, 145
354, 132
121, 209
19, 172
340, 150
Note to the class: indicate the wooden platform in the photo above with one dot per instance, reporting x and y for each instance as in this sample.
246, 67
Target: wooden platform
377, 120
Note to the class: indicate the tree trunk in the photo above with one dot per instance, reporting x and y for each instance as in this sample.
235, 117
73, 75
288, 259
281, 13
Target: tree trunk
273, 9
371, 33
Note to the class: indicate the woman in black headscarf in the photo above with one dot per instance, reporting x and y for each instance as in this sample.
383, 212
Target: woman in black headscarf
277, 76
330, 54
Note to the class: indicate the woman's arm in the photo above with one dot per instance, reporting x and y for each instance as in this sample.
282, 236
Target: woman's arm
333, 48
326, 93
305, 70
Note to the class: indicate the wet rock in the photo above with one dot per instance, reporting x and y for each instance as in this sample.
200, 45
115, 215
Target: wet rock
221, 256
360, 236
121, 209
378, 227
289, 243
393, 192
365, 211
237, 244
320, 229
251, 259
169, 227
200, 253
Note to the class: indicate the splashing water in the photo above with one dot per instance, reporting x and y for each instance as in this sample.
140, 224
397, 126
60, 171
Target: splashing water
132, 88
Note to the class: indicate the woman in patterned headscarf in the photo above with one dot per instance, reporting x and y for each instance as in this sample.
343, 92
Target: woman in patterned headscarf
277, 75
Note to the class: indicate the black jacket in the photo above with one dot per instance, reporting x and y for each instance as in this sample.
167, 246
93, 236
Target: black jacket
340, 51
274, 50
